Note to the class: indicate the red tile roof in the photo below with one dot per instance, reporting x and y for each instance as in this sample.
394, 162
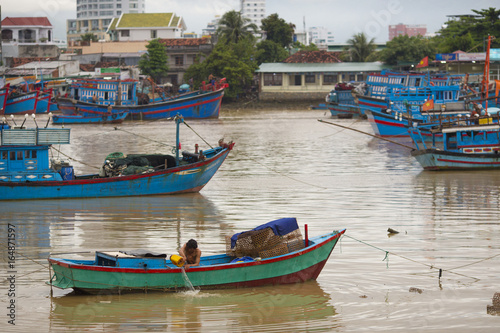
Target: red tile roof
185, 41
23, 61
26, 21
313, 57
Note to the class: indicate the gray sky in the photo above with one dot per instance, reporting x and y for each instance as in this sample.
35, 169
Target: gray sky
344, 18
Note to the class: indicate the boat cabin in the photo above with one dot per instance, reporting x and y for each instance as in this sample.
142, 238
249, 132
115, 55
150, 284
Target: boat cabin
104, 91
475, 139
24, 154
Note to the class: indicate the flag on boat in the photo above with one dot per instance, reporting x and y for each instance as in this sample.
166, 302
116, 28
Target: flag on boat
429, 105
424, 62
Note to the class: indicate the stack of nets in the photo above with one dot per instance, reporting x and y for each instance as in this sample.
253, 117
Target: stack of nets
264, 244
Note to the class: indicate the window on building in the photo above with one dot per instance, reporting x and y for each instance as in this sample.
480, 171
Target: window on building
273, 79
352, 77
330, 79
310, 78
179, 61
125, 33
153, 34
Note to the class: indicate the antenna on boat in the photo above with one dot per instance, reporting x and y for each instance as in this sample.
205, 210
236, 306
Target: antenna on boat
48, 120
12, 118
25, 117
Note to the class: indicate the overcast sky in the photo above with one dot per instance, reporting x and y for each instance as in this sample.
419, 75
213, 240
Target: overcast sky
344, 18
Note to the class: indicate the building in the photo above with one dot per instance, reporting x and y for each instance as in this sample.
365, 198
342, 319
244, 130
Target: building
320, 36
309, 81
254, 10
94, 16
211, 28
24, 37
409, 30
146, 26
27, 30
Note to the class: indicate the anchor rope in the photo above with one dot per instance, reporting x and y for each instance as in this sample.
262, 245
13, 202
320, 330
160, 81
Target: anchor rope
449, 270
208, 144
22, 255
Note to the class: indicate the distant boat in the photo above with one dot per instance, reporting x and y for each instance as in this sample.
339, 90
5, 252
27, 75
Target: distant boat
23, 103
143, 271
94, 97
26, 172
114, 118
341, 101
470, 143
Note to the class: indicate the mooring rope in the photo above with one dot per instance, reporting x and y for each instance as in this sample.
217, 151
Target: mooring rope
450, 270
144, 137
208, 144
74, 159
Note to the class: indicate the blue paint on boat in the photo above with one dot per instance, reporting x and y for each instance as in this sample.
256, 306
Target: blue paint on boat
25, 171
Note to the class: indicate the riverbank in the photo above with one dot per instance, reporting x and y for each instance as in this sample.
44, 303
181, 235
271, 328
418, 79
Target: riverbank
270, 105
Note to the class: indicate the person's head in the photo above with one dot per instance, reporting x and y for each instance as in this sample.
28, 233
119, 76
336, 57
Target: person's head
191, 244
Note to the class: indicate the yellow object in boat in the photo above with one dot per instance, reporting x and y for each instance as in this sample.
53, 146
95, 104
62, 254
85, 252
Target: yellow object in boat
177, 260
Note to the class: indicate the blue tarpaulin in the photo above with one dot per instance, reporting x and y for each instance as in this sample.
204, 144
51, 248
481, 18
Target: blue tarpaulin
280, 227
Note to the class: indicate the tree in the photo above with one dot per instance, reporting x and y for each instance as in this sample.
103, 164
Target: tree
269, 51
233, 27
277, 30
88, 37
360, 48
469, 33
154, 62
407, 49
233, 61
301, 47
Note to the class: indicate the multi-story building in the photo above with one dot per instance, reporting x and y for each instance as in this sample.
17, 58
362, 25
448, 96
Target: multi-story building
255, 10
409, 30
320, 36
94, 16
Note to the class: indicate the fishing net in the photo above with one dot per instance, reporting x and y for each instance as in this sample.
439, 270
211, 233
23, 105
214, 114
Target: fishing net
264, 243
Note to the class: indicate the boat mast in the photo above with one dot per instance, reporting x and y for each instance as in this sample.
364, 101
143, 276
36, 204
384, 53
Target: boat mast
178, 120
486, 75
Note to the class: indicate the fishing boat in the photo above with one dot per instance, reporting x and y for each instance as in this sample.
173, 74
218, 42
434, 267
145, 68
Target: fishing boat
341, 102
469, 143
22, 103
27, 173
144, 271
92, 97
114, 118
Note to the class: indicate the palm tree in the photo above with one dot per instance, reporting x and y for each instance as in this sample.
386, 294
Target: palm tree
233, 27
359, 48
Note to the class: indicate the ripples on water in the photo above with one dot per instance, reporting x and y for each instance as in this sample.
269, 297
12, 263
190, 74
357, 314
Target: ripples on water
284, 164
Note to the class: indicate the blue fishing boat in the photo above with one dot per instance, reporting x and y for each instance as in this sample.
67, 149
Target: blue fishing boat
283, 261
114, 118
341, 102
27, 173
467, 143
23, 103
93, 97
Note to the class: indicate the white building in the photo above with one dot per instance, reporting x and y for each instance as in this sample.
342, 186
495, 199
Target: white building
255, 10
320, 36
27, 30
94, 16
146, 26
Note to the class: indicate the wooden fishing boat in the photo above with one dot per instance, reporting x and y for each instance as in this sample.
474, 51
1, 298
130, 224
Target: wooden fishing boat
26, 172
114, 118
24, 103
341, 102
129, 272
470, 143
122, 96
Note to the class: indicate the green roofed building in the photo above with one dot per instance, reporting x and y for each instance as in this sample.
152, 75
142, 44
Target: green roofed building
146, 26
309, 81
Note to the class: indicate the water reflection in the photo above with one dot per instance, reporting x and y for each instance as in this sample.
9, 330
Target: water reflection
264, 309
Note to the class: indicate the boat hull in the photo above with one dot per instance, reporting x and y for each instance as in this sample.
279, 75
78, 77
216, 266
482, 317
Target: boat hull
434, 159
294, 267
183, 179
344, 110
79, 119
22, 104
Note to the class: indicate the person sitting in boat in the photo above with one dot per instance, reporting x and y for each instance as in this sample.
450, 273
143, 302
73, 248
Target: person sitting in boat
190, 253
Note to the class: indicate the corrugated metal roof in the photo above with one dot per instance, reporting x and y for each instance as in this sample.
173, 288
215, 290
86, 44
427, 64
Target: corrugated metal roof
280, 67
